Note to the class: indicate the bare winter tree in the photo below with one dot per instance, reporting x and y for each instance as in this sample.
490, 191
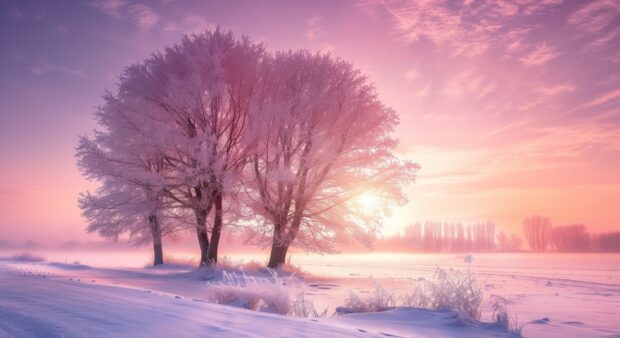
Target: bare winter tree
323, 141
537, 231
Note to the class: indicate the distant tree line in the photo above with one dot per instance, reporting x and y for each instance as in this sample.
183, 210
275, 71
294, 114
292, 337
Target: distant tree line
541, 236
539, 233
441, 237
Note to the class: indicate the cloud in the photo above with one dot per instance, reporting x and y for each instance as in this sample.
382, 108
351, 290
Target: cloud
486, 90
16, 55
605, 40
468, 84
110, 7
189, 24
539, 56
594, 16
422, 92
44, 67
510, 126
15, 13
327, 48
470, 29
411, 74
314, 28
142, 15
608, 97
60, 29
556, 90
515, 40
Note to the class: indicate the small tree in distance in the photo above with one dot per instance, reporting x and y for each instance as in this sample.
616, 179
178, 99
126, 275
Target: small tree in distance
570, 238
537, 231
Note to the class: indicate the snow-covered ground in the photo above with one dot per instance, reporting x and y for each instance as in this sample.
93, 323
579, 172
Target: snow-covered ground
550, 295
40, 299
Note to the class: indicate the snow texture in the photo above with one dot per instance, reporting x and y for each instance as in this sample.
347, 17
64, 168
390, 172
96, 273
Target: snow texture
57, 300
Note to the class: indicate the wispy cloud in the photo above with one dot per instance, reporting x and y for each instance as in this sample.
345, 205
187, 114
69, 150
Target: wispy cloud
112, 8
60, 29
469, 29
314, 28
142, 15
422, 92
594, 16
556, 90
15, 55
44, 67
15, 13
189, 24
504, 128
608, 97
470, 84
540, 55
605, 40
411, 74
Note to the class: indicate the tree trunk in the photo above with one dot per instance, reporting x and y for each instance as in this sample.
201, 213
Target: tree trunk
158, 252
217, 230
278, 255
201, 233
283, 240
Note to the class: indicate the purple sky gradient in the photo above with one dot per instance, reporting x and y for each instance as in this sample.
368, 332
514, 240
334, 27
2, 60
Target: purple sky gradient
510, 107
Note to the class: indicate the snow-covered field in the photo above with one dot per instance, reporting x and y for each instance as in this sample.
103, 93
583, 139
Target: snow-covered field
550, 295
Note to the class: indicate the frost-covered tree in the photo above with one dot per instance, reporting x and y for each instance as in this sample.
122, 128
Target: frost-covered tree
303, 136
537, 231
324, 140
194, 98
130, 200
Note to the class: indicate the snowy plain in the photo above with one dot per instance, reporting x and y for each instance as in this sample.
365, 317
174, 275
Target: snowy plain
549, 295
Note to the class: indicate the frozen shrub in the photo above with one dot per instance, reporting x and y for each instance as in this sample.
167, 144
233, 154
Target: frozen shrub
253, 293
455, 290
501, 316
264, 298
450, 289
304, 308
264, 294
379, 300
500, 311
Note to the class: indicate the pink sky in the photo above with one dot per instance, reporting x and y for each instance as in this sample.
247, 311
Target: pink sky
510, 107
